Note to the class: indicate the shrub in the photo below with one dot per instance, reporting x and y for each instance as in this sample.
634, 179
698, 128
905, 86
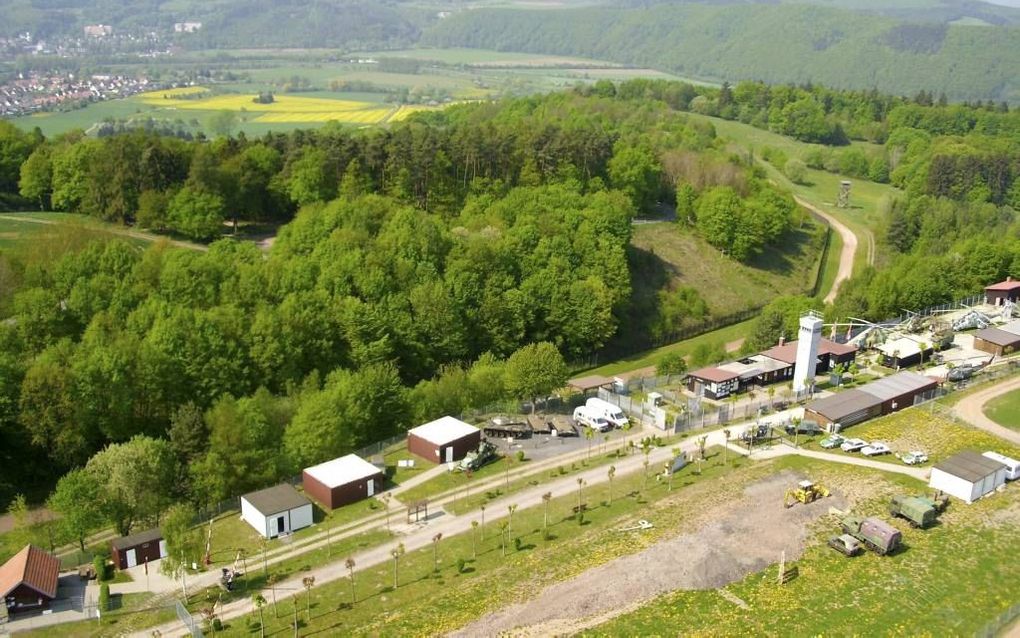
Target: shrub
580, 517
460, 565
796, 170
104, 597
101, 568
217, 624
521, 457
517, 543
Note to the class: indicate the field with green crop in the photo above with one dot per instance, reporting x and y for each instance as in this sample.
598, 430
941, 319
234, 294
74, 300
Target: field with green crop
462, 74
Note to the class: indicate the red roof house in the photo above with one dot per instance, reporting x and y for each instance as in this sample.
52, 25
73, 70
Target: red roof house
28, 581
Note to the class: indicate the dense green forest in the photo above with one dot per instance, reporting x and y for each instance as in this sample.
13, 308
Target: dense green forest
773, 43
447, 262
418, 264
229, 23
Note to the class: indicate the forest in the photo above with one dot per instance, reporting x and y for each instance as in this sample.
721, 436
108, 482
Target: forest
772, 42
422, 269
448, 262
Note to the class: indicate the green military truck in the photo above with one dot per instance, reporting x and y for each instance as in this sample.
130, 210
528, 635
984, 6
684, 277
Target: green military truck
919, 511
877, 535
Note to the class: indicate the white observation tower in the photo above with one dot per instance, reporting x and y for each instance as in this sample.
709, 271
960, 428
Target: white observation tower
808, 336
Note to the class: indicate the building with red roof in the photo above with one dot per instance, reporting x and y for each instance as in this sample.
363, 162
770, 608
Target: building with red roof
1000, 293
29, 580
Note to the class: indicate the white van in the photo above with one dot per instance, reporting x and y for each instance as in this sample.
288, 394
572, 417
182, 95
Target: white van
612, 413
1012, 465
591, 418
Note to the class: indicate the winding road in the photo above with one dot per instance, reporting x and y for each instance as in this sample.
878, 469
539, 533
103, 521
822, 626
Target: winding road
846, 256
971, 410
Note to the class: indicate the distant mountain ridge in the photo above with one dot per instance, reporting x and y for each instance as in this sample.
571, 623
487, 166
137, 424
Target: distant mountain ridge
776, 43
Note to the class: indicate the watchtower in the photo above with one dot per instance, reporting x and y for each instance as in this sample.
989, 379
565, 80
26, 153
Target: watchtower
808, 338
843, 201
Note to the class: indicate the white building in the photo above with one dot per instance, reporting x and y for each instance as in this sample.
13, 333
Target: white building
968, 476
808, 338
276, 510
187, 27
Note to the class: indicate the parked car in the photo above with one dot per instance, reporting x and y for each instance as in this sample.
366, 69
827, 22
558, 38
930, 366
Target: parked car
853, 445
875, 449
914, 458
834, 440
809, 428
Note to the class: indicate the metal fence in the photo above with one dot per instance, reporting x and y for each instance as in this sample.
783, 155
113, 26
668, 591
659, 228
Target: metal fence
189, 621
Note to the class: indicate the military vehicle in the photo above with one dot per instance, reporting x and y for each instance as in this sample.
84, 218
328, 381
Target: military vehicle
877, 535
845, 544
810, 428
916, 511
475, 459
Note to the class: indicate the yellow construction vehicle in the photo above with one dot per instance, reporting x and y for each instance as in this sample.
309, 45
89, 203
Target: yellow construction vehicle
805, 493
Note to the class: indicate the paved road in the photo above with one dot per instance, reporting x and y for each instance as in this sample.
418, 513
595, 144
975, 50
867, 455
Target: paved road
419, 536
971, 410
846, 257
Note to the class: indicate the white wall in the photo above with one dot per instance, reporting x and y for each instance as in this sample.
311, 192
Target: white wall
300, 517
955, 486
254, 517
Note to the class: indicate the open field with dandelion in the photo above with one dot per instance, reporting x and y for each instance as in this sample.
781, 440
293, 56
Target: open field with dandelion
1005, 410
948, 580
922, 429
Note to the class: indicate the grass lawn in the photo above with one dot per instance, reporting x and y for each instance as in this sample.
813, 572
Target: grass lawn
919, 429
231, 534
126, 610
452, 480
651, 357
429, 603
682, 258
820, 187
1005, 410
947, 581
398, 474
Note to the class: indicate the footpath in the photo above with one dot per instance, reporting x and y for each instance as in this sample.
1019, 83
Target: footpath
420, 535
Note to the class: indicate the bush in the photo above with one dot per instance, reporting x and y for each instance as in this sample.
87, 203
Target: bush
101, 568
217, 624
796, 170
460, 565
520, 456
104, 597
518, 543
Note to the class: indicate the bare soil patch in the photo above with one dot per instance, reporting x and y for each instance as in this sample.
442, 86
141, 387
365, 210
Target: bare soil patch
733, 539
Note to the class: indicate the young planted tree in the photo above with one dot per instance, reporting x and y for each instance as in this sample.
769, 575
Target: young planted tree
611, 474
702, 442
350, 565
545, 514
474, 544
589, 435
644, 474
510, 517
385, 498
503, 537
482, 509
580, 494
672, 464
435, 551
258, 602
396, 553
726, 437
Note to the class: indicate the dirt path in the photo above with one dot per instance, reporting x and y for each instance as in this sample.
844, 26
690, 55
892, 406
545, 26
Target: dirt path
713, 556
971, 410
122, 232
846, 257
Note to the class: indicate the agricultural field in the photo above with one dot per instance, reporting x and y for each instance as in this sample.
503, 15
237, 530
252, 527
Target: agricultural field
919, 428
1005, 410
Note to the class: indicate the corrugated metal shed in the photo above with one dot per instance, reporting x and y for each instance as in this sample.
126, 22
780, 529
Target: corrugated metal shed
839, 408
969, 465
897, 385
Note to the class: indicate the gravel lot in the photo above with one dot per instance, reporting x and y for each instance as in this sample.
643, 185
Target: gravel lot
738, 538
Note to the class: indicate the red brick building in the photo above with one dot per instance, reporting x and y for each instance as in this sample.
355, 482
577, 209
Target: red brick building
444, 440
342, 481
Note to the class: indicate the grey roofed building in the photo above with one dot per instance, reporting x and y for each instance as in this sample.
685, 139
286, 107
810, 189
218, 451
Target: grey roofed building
278, 498
838, 407
997, 336
969, 465
148, 536
897, 385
